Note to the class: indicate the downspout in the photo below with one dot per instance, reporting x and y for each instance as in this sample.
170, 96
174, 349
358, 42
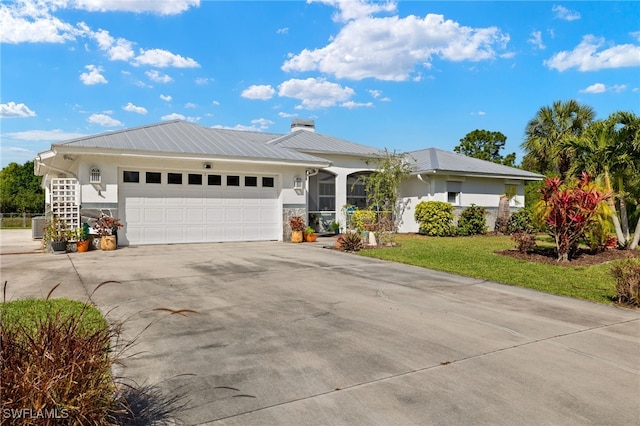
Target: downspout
312, 172
426, 182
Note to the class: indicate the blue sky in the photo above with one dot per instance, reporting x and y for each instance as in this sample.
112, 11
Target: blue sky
396, 75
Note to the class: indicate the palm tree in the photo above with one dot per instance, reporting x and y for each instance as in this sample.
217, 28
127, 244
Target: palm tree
548, 130
610, 149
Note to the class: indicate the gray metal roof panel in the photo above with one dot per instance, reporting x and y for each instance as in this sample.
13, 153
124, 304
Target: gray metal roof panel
303, 140
188, 138
433, 159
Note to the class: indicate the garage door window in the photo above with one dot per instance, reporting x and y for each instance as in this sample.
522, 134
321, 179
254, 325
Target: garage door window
174, 178
215, 180
195, 179
233, 180
130, 177
250, 181
154, 177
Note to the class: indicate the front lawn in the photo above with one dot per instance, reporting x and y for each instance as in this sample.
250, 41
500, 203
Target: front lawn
476, 257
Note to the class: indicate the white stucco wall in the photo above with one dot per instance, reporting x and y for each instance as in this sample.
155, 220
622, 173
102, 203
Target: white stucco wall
483, 192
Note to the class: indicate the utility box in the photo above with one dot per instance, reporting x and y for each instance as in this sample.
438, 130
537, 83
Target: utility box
37, 227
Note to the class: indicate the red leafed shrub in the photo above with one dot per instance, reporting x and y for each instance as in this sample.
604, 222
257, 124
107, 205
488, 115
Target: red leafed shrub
570, 208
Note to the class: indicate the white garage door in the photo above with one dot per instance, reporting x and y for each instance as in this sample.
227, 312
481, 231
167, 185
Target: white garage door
214, 208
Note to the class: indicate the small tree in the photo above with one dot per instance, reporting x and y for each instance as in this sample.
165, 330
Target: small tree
435, 218
472, 221
382, 190
569, 207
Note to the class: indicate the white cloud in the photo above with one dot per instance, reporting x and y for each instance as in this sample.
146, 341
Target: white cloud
481, 113
635, 34
44, 135
357, 9
201, 81
166, 98
163, 58
561, 12
585, 57
93, 76
262, 123
14, 110
132, 108
216, 103
116, 49
262, 92
161, 7
104, 120
375, 93
602, 88
536, 40
352, 104
173, 116
315, 93
391, 48
282, 30
30, 22
286, 115
157, 77
190, 105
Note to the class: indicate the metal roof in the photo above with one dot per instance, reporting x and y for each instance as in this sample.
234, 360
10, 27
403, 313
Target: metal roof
312, 142
433, 159
187, 138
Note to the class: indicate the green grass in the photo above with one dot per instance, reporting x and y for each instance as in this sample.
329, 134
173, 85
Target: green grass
31, 313
476, 257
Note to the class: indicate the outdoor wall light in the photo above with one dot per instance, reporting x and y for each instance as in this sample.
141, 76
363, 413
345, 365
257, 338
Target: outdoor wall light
297, 182
207, 166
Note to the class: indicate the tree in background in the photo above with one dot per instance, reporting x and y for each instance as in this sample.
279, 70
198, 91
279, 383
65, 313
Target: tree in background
485, 145
547, 134
20, 190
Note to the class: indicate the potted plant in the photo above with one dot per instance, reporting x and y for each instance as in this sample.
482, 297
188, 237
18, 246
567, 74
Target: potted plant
297, 228
78, 241
56, 235
107, 228
310, 234
335, 227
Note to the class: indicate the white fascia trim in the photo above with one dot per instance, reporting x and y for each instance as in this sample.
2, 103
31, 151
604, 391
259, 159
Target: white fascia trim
450, 174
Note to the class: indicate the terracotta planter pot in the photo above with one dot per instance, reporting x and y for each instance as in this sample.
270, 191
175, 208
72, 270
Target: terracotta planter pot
296, 236
108, 243
310, 237
83, 246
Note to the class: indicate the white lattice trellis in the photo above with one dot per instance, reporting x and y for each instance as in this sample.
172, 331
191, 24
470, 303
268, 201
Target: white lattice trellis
65, 200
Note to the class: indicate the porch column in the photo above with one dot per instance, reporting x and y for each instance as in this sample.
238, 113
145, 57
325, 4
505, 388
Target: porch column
341, 197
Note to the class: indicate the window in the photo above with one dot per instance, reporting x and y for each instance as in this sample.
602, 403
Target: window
453, 192
128, 176
174, 178
94, 175
250, 181
267, 182
233, 180
154, 177
195, 179
453, 198
214, 180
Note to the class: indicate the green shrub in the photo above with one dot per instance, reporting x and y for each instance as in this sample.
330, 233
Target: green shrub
472, 221
435, 218
351, 241
627, 275
521, 221
364, 220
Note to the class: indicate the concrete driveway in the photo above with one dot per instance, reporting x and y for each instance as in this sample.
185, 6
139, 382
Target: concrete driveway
293, 334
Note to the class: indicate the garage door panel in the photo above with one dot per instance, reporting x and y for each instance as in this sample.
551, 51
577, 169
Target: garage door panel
156, 214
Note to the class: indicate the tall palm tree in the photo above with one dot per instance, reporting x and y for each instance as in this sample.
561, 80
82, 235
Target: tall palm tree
597, 152
548, 130
628, 135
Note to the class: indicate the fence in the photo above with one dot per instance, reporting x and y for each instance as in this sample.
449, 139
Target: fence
17, 220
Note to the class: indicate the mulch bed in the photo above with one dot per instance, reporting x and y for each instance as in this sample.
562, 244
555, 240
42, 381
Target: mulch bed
582, 258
